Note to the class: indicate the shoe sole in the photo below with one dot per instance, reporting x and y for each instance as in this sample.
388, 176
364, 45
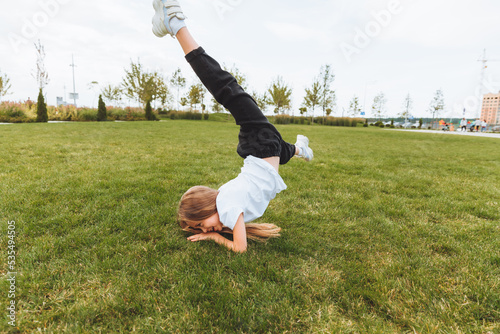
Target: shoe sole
159, 28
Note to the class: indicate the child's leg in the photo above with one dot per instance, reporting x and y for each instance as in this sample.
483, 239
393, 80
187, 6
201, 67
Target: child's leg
257, 136
221, 84
186, 41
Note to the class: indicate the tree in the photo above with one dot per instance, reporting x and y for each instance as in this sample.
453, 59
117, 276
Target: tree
437, 104
112, 93
149, 112
40, 75
407, 107
216, 106
4, 85
326, 78
378, 106
178, 81
144, 86
261, 100
354, 106
279, 95
101, 110
313, 97
195, 95
41, 109
241, 79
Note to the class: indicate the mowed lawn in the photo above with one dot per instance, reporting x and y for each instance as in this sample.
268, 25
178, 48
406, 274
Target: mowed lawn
383, 232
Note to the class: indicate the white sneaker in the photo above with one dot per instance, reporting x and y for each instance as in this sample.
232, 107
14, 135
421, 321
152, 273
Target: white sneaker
165, 11
304, 150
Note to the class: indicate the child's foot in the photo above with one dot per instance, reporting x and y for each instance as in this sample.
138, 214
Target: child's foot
304, 150
168, 19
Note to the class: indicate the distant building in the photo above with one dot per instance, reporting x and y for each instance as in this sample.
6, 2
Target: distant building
490, 110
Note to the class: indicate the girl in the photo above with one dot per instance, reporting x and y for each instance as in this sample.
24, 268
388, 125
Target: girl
205, 211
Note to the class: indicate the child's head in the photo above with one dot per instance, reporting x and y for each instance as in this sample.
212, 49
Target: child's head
197, 204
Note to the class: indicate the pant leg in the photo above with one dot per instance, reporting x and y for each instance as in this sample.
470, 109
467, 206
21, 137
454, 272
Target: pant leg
257, 137
225, 89
287, 152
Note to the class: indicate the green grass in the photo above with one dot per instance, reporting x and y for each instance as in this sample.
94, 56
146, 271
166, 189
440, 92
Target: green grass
384, 232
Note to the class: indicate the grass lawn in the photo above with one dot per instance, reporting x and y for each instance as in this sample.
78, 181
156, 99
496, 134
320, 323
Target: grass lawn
384, 232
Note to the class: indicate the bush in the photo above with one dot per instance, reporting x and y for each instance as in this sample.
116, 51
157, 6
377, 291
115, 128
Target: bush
365, 125
87, 115
63, 113
381, 125
185, 115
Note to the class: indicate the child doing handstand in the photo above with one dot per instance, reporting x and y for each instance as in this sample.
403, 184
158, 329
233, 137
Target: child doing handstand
205, 211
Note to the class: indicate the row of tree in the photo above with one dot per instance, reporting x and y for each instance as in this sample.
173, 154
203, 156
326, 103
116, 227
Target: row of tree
146, 87
142, 86
379, 110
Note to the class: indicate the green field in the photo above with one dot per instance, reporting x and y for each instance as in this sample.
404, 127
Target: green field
384, 232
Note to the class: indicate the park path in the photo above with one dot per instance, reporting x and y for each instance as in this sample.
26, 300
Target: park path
471, 134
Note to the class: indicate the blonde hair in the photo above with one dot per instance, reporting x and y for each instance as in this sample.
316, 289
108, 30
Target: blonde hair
199, 203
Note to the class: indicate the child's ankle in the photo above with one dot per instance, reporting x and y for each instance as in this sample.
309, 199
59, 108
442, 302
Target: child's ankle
176, 25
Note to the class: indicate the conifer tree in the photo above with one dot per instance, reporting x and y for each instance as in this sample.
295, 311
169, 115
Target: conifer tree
41, 109
101, 110
149, 112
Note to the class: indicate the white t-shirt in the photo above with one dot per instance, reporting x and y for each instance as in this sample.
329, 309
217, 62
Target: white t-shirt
250, 192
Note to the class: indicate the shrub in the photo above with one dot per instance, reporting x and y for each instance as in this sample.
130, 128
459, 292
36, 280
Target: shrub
185, 115
12, 113
87, 115
381, 125
365, 125
282, 119
63, 113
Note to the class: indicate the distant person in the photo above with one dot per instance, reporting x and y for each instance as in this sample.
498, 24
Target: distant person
463, 124
484, 125
207, 212
478, 124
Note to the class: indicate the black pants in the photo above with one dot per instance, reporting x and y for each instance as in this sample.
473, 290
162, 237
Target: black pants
257, 136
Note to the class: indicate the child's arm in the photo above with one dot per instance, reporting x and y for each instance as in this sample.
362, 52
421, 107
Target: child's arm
239, 243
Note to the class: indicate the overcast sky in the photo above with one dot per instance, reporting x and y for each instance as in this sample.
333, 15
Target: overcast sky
391, 46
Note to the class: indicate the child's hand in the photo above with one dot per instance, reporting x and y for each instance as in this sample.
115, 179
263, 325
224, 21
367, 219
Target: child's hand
203, 236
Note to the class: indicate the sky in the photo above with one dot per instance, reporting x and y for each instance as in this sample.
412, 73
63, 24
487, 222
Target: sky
397, 47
